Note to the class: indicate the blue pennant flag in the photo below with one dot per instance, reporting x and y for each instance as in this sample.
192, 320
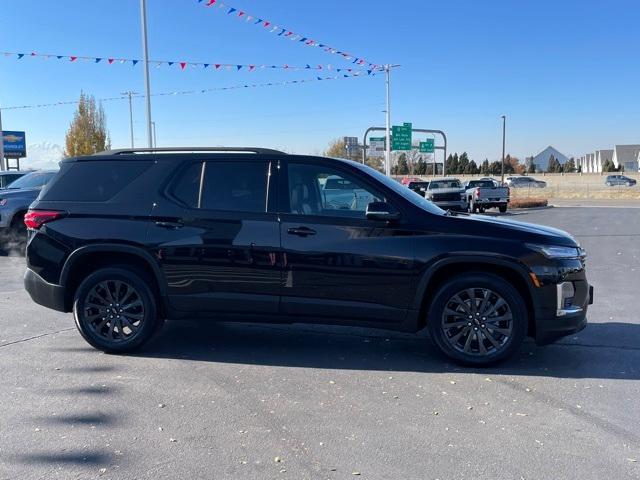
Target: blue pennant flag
133, 62
98, 60
231, 10
206, 65
238, 67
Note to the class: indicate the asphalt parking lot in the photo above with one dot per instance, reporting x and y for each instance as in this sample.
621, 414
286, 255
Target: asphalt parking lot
213, 401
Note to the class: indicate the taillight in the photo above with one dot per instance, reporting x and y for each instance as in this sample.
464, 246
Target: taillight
478, 192
34, 219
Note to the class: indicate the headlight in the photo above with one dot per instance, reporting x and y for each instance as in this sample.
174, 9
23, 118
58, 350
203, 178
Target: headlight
553, 251
3, 202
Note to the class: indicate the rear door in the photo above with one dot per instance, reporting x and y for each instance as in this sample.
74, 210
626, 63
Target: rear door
336, 263
219, 250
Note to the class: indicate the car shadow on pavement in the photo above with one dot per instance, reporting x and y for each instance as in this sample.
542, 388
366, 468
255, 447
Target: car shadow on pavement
306, 346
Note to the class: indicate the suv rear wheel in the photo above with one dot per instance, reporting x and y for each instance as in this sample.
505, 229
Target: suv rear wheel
115, 310
478, 319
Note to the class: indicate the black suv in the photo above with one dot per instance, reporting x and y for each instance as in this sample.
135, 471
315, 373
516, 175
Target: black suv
127, 238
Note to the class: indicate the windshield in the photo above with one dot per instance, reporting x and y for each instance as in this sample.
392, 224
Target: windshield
444, 184
32, 180
413, 197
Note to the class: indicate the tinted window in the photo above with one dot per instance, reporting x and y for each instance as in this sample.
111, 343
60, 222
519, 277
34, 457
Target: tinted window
235, 186
32, 180
311, 192
444, 184
96, 181
187, 187
481, 183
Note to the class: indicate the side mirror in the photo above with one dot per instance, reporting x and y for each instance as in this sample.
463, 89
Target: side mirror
381, 211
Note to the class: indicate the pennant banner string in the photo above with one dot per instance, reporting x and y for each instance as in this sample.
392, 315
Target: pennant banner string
202, 91
283, 32
183, 65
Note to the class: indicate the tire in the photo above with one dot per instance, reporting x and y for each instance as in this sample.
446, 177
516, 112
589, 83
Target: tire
100, 294
468, 349
502, 208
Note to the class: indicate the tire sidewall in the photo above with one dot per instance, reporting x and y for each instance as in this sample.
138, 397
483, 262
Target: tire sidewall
478, 280
149, 323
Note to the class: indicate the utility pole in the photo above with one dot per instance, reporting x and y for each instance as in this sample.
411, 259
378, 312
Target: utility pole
2, 167
504, 122
145, 52
130, 94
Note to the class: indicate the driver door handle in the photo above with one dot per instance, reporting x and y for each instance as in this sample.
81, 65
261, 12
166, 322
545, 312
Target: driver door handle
301, 231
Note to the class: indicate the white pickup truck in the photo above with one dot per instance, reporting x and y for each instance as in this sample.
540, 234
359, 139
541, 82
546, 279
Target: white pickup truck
483, 194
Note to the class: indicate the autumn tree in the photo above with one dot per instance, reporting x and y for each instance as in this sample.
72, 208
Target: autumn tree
337, 149
88, 131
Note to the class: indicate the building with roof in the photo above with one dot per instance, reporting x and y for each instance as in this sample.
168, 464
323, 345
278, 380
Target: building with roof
627, 156
541, 160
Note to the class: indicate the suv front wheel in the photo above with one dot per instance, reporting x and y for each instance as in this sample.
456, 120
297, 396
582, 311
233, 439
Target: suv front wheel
115, 310
477, 319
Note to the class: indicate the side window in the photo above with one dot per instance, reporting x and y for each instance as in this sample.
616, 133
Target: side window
316, 190
187, 187
235, 186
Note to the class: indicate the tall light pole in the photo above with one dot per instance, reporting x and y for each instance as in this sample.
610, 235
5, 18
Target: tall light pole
2, 167
504, 125
387, 154
145, 53
130, 94
155, 139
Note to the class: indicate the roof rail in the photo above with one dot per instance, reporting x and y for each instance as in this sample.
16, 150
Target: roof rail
258, 151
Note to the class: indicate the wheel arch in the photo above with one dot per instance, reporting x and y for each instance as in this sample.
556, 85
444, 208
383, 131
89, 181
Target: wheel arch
90, 258
442, 270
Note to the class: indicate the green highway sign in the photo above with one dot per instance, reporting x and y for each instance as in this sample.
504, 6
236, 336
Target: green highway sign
427, 147
401, 137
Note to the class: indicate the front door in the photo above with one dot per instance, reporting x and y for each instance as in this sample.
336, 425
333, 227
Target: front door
219, 253
336, 263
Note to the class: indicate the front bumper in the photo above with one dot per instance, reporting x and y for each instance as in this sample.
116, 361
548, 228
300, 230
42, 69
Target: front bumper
43, 293
570, 315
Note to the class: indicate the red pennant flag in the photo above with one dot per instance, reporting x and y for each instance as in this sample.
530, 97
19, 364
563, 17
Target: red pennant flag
217, 66
73, 59
183, 65
211, 2
33, 54
240, 13
110, 61
251, 67
266, 24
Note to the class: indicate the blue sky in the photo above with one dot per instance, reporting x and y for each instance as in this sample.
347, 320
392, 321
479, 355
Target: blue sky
566, 73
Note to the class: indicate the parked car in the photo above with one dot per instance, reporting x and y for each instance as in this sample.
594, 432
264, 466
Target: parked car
524, 182
17, 196
447, 193
9, 176
483, 194
418, 186
126, 240
613, 180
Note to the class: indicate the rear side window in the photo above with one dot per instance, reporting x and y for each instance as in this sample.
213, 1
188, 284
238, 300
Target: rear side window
187, 187
235, 186
93, 181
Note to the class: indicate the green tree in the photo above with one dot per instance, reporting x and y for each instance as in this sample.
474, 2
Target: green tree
570, 166
87, 133
402, 166
532, 167
463, 163
554, 165
608, 166
485, 169
471, 168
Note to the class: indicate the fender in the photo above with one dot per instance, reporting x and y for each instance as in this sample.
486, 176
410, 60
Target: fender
77, 254
463, 258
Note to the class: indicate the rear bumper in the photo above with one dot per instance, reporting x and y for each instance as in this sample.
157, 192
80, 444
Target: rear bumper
43, 293
453, 204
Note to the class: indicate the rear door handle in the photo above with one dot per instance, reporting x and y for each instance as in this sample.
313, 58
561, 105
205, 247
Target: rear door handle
170, 225
301, 231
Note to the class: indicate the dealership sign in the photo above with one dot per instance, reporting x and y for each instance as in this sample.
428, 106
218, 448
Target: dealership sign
14, 144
